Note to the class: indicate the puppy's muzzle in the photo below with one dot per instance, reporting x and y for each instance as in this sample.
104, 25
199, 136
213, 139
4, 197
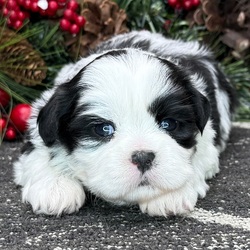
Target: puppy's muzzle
143, 160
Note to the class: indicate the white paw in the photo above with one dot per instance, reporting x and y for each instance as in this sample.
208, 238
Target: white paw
212, 172
180, 201
54, 196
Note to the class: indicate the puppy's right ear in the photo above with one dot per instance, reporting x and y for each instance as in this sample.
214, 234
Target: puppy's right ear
47, 121
54, 118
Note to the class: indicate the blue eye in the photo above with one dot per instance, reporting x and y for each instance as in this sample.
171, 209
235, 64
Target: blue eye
168, 124
104, 129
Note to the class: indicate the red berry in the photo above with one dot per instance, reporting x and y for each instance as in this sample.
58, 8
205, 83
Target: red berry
27, 4
21, 2
74, 29
13, 16
50, 13
69, 14
187, 5
4, 98
53, 6
10, 134
34, 7
18, 24
172, 3
19, 116
80, 21
65, 24
21, 15
3, 124
11, 5
5, 12
42, 12
2, 2
72, 5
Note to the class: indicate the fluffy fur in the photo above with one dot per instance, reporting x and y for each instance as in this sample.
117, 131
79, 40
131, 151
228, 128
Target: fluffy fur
142, 120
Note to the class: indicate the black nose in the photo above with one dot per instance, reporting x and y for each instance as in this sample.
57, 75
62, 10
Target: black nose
143, 159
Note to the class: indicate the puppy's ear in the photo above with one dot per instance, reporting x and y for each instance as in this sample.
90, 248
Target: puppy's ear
56, 115
48, 121
201, 109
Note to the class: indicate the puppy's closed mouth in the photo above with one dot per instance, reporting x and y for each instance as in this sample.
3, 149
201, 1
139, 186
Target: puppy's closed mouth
144, 182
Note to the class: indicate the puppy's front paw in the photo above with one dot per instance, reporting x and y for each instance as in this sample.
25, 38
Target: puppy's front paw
54, 197
181, 201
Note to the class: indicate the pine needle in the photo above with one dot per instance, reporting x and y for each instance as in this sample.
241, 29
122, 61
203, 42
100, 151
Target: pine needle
19, 92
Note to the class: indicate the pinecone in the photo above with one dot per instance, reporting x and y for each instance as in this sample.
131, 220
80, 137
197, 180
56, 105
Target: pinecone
21, 62
103, 20
231, 18
209, 14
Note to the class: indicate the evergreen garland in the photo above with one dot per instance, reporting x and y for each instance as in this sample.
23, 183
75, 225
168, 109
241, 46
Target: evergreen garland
46, 37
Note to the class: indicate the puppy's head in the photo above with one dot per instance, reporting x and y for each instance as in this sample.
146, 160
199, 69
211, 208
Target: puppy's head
128, 120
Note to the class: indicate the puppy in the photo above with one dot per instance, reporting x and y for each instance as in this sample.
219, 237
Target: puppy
142, 120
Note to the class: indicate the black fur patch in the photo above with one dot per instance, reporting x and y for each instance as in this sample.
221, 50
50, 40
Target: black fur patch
194, 65
128, 43
114, 53
173, 106
189, 107
199, 102
225, 85
52, 155
55, 117
82, 128
27, 148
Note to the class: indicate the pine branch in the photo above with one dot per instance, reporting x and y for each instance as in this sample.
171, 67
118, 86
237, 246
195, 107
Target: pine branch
50, 43
47, 40
18, 92
144, 14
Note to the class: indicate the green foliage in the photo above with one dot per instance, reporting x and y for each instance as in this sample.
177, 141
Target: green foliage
50, 43
144, 14
48, 40
239, 74
20, 93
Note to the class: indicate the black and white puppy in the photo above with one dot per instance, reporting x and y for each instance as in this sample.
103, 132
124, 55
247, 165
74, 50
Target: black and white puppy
142, 120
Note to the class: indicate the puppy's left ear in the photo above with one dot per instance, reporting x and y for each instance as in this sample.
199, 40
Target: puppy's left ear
201, 109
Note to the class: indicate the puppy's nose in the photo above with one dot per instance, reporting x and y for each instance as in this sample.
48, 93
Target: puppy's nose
143, 159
